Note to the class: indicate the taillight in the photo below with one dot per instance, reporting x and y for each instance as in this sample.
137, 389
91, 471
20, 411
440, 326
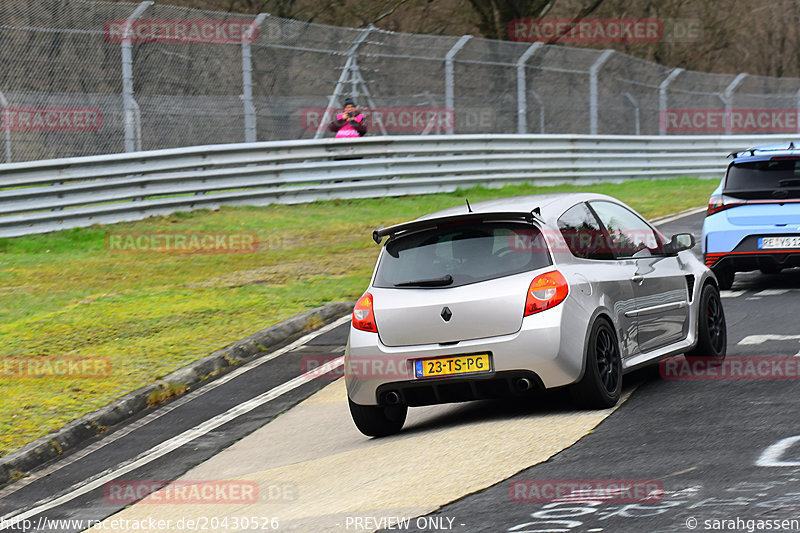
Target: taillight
546, 291
363, 316
720, 202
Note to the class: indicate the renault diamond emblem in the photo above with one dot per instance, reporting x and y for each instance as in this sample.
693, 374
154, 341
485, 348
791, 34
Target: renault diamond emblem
446, 314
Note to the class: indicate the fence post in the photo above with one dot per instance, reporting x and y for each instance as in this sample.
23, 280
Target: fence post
128, 107
797, 96
662, 99
6, 126
635, 105
593, 71
449, 76
541, 109
137, 115
728, 100
522, 100
247, 79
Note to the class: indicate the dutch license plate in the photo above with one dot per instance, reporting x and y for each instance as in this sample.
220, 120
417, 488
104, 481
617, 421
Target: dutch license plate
778, 242
447, 366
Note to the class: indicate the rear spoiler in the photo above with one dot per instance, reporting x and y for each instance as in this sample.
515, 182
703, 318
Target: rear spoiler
771, 148
419, 225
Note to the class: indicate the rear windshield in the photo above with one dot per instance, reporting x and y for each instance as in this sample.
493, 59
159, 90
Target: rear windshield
459, 255
764, 179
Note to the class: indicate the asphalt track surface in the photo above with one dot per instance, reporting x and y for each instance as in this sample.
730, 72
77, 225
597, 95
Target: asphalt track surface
722, 451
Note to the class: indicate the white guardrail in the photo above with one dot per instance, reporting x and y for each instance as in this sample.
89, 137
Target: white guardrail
43, 196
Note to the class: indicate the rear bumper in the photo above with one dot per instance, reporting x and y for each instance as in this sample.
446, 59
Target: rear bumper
537, 352
747, 261
746, 256
735, 248
497, 385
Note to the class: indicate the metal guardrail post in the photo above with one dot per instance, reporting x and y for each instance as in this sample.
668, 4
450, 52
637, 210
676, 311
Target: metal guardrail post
522, 100
727, 98
6, 126
635, 105
593, 72
449, 77
127, 78
662, 99
247, 79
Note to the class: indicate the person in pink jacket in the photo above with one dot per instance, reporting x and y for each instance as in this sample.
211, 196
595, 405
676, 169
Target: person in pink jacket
350, 123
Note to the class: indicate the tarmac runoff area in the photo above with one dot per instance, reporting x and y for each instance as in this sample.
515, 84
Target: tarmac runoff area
316, 472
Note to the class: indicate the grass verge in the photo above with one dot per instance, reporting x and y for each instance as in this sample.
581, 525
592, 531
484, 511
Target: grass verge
67, 295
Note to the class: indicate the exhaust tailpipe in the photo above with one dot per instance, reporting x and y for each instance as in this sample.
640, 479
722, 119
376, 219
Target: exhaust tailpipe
391, 398
523, 384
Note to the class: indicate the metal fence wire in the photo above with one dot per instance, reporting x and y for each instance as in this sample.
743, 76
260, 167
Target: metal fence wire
84, 78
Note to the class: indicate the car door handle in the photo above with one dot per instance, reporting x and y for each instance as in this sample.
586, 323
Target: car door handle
637, 279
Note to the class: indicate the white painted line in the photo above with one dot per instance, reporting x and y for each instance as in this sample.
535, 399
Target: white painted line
772, 292
758, 339
187, 436
676, 216
731, 294
772, 455
122, 432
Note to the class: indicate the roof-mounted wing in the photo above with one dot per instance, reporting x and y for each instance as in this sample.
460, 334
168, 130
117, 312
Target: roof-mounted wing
755, 150
419, 225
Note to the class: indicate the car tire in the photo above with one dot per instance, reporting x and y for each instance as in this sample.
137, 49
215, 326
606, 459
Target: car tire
725, 278
601, 384
378, 420
712, 333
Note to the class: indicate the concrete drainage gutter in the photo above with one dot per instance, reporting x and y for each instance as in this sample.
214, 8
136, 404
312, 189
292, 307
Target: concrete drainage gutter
17, 463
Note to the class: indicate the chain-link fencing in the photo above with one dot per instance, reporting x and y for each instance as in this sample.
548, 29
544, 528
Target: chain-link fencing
83, 78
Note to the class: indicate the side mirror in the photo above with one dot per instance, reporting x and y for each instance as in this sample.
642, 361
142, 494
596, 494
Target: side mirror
679, 243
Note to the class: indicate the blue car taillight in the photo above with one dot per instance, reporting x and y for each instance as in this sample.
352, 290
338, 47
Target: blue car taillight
720, 202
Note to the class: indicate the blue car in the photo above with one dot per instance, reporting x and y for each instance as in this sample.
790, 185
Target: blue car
753, 218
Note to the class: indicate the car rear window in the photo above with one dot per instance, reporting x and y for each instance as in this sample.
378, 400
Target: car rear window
775, 178
452, 256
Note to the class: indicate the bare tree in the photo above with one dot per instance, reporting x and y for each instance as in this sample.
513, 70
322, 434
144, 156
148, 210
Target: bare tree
754, 36
495, 16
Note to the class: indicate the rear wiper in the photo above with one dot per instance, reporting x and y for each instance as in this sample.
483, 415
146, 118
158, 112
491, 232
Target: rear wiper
789, 183
447, 279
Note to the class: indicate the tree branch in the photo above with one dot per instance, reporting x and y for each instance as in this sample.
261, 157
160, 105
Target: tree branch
390, 12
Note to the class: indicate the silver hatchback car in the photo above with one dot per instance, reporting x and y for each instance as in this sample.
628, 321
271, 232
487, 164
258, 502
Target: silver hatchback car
508, 296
